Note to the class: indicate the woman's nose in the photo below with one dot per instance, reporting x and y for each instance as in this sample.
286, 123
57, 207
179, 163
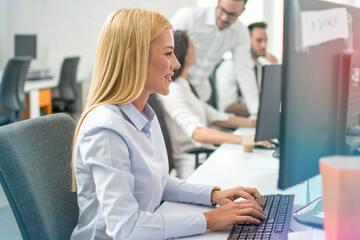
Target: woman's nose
176, 65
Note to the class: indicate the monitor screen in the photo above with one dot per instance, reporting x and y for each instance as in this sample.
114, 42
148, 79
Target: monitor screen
315, 80
25, 45
268, 121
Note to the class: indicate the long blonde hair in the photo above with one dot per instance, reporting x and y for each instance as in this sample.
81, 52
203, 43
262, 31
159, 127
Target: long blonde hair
121, 60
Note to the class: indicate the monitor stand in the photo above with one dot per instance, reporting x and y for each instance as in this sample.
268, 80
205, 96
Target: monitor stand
276, 154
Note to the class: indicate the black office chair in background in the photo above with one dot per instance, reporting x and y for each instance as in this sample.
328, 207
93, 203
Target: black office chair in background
12, 95
155, 105
212, 80
68, 94
35, 173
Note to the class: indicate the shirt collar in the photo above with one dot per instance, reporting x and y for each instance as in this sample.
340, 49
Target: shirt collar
141, 121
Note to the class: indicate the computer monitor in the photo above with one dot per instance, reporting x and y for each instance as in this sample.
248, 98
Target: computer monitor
320, 87
25, 45
268, 121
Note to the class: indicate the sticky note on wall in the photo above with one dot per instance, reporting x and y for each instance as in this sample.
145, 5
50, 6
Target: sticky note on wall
322, 26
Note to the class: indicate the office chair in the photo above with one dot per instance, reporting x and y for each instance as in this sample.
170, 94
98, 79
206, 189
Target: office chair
67, 87
156, 106
212, 101
12, 95
35, 173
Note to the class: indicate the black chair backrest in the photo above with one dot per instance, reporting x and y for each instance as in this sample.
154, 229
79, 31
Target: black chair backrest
212, 101
12, 95
35, 173
67, 83
155, 105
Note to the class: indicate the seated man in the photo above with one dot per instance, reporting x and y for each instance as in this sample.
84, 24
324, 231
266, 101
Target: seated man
228, 89
258, 48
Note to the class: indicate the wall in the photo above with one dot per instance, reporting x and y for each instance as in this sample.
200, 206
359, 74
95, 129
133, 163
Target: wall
66, 27
355, 3
3, 30
274, 18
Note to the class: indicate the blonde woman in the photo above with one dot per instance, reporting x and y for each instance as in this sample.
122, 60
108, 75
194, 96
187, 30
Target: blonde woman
119, 157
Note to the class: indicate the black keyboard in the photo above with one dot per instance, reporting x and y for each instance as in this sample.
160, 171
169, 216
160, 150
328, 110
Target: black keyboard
278, 211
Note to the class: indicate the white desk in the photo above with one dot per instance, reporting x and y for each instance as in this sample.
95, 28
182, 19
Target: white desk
33, 87
229, 167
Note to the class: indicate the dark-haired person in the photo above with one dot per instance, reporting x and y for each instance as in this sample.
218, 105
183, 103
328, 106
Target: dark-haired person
189, 119
229, 96
213, 32
259, 54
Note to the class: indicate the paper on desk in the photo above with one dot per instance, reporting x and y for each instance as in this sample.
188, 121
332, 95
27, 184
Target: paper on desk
322, 26
315, 234
295, 226
308, 235
298, 231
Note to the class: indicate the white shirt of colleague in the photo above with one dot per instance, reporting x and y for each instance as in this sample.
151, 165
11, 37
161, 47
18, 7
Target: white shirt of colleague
227, 89
121, 171
211, 43
184, 112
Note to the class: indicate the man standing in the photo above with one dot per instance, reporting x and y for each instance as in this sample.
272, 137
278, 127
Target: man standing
213, 32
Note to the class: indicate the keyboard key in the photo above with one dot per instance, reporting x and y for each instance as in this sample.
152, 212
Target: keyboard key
267, 235
235, 236
271, 220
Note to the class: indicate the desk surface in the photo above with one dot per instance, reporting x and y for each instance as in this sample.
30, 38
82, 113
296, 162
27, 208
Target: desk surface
31, 85
229, 167
34, 85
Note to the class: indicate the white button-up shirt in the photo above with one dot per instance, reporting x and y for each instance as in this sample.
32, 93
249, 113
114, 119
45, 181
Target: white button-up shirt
211, 43
227, 88
184, 112
121, 170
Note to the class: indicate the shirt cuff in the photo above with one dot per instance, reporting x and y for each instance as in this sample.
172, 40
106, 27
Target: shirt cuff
195, 193
189, 130
177, 190
187, 224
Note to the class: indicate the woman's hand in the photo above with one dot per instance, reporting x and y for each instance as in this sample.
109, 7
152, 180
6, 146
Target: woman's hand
227, 196
233, 212
252, 122
265, 144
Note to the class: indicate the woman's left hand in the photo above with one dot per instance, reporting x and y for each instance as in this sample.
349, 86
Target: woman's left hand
226, 196
265, 144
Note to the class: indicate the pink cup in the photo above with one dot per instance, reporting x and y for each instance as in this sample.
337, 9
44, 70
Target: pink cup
341, 190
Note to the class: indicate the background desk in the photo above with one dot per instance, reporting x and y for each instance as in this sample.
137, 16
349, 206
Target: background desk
33, 89
229, 167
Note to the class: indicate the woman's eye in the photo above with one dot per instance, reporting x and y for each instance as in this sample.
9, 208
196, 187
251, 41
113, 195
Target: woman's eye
169, 53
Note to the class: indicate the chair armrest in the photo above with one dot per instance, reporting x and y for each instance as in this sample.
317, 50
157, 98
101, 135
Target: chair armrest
199, 150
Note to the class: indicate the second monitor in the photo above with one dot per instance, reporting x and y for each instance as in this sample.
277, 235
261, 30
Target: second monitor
25, 45
268, 122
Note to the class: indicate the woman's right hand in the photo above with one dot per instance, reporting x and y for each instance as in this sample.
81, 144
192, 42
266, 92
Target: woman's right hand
227, 215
